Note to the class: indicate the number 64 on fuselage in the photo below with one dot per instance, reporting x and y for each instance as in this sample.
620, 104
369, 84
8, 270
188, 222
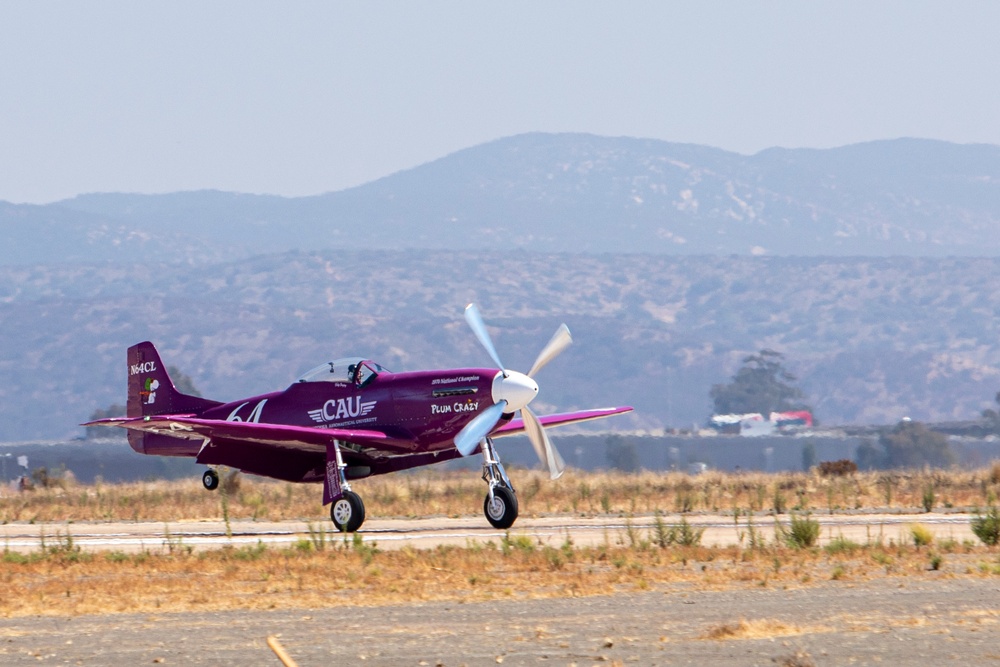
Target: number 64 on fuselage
349, 419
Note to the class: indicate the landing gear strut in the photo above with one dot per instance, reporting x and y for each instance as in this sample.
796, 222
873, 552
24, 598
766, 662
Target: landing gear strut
210, 479
348, 511
500, 506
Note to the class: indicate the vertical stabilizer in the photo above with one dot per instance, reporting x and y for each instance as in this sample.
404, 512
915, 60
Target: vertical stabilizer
151, 392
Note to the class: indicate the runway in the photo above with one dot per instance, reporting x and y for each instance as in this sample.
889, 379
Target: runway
429, 533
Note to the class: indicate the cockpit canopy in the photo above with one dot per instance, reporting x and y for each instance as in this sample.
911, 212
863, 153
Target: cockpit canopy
349, 370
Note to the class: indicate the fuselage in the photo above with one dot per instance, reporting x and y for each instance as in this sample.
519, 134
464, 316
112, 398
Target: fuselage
419, 411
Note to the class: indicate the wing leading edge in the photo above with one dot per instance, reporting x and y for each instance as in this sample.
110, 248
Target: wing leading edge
516, 426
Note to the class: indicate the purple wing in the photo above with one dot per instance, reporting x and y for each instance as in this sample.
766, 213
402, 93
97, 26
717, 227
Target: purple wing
516, 426
302, 438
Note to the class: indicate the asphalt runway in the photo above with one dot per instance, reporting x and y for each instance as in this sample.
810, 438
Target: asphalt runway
885, 622
428, 533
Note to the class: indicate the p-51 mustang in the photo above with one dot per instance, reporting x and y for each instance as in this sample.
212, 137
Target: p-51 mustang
349, 419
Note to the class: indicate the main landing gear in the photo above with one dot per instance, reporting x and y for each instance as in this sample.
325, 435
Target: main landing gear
348, 512
500, 506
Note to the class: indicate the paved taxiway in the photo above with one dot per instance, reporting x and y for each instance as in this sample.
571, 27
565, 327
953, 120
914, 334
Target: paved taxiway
428, 533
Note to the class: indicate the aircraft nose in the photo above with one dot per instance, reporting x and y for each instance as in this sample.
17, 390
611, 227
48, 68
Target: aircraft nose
516, 388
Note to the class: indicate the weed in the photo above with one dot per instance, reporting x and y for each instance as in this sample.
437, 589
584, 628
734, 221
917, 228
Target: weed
922, 536
882, 558
685, 535
317, 536
15, 558
779, 504
840, 545
364, 549
555, 558
521, 543
661, 534
888, 483
928, 498
174, 544
250, 552
995, 473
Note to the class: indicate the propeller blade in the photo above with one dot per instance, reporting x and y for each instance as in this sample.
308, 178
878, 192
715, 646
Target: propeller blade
559, 342
546, 451
477, 429
475, 320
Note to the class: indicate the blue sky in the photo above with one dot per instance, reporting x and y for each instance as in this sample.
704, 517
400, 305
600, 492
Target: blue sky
309, 97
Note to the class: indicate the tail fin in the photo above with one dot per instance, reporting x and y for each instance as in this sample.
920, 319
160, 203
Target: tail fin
150, 390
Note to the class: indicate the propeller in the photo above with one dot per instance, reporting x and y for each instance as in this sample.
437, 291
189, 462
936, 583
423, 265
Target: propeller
513, 391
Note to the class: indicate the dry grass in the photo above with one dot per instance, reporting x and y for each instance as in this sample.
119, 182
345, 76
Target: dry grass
434, 493
759, 629
62, 579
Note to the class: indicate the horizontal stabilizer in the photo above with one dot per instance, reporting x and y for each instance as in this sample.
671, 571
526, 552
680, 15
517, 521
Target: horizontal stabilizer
302, 438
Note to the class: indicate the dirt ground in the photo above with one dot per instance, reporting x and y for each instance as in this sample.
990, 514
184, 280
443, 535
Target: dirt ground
890, 621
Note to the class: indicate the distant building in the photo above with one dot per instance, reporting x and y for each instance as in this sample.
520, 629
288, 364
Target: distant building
753, 423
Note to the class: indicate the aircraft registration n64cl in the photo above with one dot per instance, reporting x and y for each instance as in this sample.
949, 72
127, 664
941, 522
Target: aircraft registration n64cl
349, 419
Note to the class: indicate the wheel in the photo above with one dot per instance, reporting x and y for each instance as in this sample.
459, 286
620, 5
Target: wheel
502, 511
348, 512
210, 479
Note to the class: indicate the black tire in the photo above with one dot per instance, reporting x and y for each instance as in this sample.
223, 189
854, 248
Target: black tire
210, 479
502, 512
348, 512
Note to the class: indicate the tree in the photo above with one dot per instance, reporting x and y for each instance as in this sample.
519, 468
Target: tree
992, 417
808, 456
182, 381
912, 445
761, 385
869, 456
114, 410
621, 454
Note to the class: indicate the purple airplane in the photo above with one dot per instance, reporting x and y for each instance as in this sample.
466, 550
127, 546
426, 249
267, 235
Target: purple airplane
349, 419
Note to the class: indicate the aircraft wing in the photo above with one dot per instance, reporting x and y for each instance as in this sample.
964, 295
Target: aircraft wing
301, 438
516, 426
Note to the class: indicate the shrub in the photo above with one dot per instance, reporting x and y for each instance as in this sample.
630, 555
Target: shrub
987, 527
803, 532
928, 498
922, 536
686, 535
682, 534
840, 468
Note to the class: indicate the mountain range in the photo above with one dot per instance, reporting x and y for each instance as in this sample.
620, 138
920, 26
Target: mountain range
875, 270
566, 193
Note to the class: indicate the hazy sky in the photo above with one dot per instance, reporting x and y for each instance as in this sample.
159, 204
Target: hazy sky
308, 97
